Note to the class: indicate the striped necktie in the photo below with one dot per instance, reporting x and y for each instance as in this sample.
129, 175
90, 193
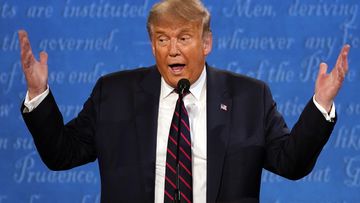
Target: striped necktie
178, 175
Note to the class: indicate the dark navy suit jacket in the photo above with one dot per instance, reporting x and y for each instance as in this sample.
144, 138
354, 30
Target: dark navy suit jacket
118, 127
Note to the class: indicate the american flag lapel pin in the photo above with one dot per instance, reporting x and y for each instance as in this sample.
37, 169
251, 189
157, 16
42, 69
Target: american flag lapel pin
223, 107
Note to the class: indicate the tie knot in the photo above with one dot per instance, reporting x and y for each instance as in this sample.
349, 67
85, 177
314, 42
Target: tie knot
185, 92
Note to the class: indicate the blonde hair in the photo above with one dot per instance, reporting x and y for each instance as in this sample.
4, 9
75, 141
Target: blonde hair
184, 10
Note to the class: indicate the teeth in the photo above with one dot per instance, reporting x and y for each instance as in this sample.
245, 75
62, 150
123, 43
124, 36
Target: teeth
177, 68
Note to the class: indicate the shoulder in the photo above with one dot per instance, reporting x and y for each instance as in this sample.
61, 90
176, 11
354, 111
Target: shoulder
127, 75
235, 81
245, 92
127, 80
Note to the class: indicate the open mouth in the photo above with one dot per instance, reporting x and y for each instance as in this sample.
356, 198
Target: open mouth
177, 67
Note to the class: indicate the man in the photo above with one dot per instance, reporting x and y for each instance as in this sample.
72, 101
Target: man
235, 127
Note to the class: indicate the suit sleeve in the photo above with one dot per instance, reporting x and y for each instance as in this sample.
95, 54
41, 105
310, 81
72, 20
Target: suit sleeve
62, 146
293, 154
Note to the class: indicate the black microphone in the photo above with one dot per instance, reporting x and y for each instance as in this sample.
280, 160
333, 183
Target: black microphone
183, 86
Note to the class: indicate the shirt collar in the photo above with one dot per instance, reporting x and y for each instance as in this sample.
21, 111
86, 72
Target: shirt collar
195, 88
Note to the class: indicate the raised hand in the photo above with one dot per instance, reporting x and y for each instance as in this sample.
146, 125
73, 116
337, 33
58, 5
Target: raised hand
36, 72
328, 85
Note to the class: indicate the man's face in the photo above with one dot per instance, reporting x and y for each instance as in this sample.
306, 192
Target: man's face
180, 50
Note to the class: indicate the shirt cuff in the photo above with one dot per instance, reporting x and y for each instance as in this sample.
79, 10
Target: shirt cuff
328, 116
30, 105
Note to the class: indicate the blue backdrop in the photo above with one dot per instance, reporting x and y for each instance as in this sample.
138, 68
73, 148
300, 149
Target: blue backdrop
280, 42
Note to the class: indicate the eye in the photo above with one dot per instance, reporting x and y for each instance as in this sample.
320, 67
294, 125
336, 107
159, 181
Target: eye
185, 39
162, 40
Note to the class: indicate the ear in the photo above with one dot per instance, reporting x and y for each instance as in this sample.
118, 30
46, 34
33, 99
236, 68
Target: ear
207, 43
152, 46
153, 49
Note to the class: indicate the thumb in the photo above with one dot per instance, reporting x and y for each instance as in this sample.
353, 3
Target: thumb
323, 69
43, 58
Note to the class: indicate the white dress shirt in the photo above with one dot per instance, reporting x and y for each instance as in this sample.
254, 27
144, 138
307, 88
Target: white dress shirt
195, 104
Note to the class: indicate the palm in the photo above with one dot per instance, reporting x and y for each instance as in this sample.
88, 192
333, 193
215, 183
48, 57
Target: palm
36, 72
328, 85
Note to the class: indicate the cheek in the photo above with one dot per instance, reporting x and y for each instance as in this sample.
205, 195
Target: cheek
159, 57
161, 53
196, 57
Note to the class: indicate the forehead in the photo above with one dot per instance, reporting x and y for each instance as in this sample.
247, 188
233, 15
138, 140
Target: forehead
176, 26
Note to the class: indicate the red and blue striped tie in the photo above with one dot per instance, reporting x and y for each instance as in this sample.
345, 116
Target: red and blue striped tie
178, 176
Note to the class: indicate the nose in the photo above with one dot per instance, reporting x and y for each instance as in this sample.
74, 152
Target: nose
174, 49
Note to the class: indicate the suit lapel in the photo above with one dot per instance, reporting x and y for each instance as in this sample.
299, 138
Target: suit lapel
218, 118
146, 112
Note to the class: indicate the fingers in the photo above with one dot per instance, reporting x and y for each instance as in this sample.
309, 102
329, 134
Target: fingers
43, 58
342, 58
341, 66
24, 42
27, 57
342, 63
345, 49
339, 59
344, 52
